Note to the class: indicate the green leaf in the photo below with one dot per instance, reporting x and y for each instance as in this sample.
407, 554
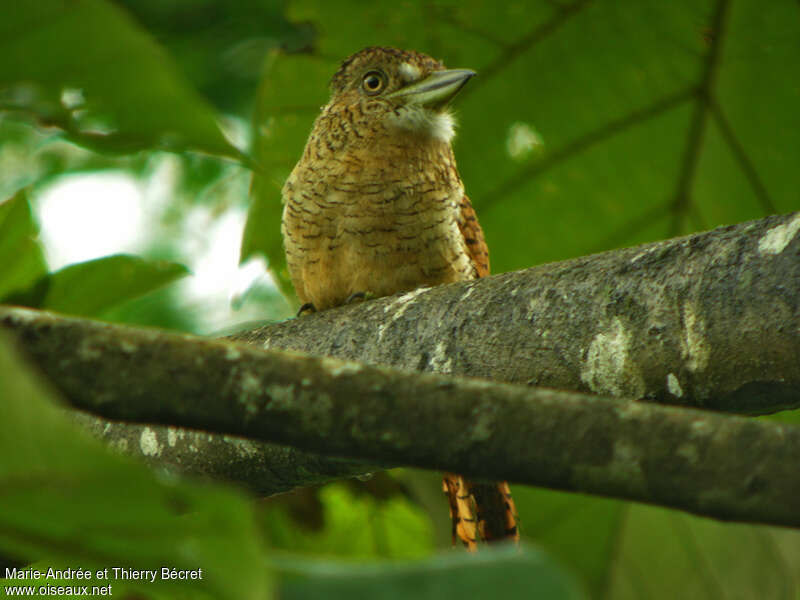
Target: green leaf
580, 531
90, 288
613, 546
21, 257
701, 558
506, 573
286, 89
89, 69
223, 62
65, 497
355, 526
590, 125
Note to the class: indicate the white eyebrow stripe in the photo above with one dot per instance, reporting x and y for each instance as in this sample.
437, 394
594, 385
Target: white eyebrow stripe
409, 72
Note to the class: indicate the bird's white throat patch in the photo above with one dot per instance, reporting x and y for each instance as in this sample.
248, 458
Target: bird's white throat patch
424, 121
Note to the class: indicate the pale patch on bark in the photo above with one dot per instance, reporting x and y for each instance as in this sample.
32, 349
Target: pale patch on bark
336, 367
695, 348
777, 238
128, 347
88, 350
173, 435
250, 385
401, 304
148, 442
120, 444
608, 368
674, 386
439, 361
624, 469
466, 294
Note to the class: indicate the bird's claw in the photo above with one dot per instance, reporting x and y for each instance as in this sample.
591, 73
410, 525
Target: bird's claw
308, 307
359, 297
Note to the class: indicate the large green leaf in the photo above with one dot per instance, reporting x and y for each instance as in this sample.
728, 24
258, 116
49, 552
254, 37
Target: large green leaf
627, 550
581, 531
89, 69
701, 558
66, 498
279, 141
21, 258
91, 288
590, 124
220, 45
507, 573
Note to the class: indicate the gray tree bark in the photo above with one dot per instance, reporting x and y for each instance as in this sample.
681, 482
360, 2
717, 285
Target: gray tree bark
710, 320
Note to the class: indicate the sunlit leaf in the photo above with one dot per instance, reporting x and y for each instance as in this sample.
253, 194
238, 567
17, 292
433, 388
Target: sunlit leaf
354, 526
21, 257
90, 288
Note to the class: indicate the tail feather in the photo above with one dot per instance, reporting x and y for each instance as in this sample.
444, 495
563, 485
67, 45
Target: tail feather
462, 511
482, 511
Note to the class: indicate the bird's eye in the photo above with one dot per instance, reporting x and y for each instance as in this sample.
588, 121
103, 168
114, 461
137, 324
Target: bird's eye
373, 82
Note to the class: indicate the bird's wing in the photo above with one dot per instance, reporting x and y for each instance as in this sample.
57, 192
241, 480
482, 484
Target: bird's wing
473, 236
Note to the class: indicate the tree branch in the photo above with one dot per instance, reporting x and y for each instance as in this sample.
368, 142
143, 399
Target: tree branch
264, 469
681, 320
677, 457
710, 320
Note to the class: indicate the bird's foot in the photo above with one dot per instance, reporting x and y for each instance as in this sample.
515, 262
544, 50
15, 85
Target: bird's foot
359, 297
308, 307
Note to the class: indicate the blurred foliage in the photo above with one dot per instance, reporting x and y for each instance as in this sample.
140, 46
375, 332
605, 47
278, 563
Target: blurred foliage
67, 500
506, 572
20, 253
591, 125
127, 97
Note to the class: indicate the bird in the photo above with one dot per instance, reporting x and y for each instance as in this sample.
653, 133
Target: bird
376, 206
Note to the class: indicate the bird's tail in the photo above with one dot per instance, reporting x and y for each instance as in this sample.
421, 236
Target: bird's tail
482, 511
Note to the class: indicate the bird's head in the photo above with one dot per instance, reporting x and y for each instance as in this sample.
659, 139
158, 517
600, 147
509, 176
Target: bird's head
403, 89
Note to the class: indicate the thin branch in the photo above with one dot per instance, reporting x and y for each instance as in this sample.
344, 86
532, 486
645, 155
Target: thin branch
260, 467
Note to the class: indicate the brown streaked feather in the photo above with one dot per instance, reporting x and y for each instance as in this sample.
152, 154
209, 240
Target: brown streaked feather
484, 510
473, 235
497, 515
462, 510
480, 511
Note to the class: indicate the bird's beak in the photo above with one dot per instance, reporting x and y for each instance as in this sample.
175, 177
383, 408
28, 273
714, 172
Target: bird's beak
436, 90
